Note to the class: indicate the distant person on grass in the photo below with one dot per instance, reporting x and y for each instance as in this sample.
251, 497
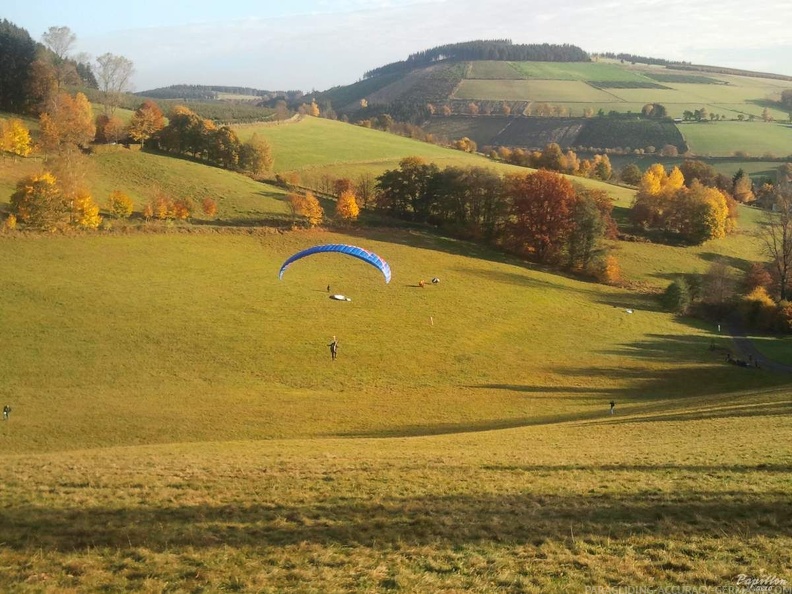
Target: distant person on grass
613, 406
6, 412
333, 348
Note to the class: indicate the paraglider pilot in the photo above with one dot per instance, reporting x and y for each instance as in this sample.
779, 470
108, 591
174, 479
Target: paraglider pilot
334, 348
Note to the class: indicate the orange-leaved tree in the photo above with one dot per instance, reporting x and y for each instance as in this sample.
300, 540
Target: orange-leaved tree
540, 215
69, 123
306, 205
347, 208
209, 207
147, 120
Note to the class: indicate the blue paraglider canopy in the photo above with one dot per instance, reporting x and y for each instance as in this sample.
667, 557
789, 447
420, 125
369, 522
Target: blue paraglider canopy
349, 250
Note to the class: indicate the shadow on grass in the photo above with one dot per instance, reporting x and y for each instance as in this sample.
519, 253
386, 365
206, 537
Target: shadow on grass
474, 427
518, 518
738, 263
764, 409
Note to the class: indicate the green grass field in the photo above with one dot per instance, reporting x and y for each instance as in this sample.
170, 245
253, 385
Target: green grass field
531, 90
754, 138
178, 425
582, 71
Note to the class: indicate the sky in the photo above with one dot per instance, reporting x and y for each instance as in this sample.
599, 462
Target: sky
317, 44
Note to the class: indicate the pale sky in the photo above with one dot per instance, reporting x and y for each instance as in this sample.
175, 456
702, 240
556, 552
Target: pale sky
318, 44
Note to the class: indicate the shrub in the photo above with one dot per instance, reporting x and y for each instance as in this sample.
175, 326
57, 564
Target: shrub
209, 207
676, 297
120, 204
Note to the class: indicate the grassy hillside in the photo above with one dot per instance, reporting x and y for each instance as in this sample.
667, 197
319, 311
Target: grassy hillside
178, 424
756, 139
590, 87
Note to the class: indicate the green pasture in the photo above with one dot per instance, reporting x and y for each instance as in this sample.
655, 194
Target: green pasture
313, 142
178, 424
493, 70
142, 175
123, 340
724, 138
551, 91
656, 265
580, 71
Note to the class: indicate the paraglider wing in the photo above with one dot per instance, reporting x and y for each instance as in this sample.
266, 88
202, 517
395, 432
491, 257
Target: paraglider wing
350, 250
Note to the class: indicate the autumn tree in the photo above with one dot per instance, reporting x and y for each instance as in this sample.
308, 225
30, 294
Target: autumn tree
655, 194
68, 125
15, 137
365, 188
347, 208
540, 213
743, 189
114, 76
119, 204
109, 129
147, 120
466, 145
41, 87
39, 203
592, 222
698, 214
255, 156
306, 205
83, 211
693, 170
209, 207
222, 147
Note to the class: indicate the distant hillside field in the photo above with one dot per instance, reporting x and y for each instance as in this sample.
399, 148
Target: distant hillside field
754, 138
579, 87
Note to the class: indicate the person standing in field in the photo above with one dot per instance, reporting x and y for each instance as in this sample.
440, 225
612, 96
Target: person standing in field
333, 348
612, 406
6, 412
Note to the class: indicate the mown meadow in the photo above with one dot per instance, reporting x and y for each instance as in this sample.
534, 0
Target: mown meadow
178, 424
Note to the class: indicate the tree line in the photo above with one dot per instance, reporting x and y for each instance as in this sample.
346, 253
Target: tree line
541, 216
485, 49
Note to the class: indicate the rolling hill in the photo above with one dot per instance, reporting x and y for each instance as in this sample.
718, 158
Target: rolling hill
558, 99
177, 423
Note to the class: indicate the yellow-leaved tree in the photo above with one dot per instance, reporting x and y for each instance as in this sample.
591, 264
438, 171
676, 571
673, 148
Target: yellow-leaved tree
306, 205
15, 137
84, 211
120, 204
347, 208
38, 202
699, 214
